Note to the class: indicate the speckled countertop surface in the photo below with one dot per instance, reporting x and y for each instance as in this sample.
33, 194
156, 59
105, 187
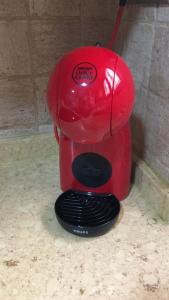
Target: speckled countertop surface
40, 261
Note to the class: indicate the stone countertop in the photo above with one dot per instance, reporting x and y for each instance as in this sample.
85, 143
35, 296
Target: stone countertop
41, 261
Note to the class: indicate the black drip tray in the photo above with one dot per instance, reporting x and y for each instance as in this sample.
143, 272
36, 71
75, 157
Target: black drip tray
87, 214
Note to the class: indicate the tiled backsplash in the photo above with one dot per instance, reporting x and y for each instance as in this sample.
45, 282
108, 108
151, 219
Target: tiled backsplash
144, 44
35, 33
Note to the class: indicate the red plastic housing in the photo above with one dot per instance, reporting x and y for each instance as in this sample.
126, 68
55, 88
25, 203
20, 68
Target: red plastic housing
90, 98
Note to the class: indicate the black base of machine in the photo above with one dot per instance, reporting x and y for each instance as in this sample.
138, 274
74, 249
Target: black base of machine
87, 214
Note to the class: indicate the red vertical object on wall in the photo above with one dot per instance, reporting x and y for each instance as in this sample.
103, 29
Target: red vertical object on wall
116, 27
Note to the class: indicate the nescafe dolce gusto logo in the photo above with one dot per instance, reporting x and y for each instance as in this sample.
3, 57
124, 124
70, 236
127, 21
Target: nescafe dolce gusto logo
84, 74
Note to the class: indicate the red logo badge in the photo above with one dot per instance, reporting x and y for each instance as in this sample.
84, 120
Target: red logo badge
84, 74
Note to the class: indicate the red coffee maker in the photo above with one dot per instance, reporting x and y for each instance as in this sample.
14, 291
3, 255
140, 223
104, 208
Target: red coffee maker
90, 98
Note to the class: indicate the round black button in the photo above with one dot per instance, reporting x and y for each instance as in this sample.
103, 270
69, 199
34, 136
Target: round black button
91, 169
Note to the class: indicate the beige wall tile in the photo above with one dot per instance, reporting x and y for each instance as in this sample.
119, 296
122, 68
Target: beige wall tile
98, 8
55, 8
159, 78
19, 131
137, 50
140, 104
138, 120
138, 131
46, 128
157, 134
12, 8
154, 190
41, 95
141, 12
16, 103
163, 13
157, 166
51, 39
96, 30
157, 150
14, 52
158, 111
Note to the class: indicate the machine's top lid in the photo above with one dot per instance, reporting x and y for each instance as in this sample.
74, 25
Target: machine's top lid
90, 94
85, 84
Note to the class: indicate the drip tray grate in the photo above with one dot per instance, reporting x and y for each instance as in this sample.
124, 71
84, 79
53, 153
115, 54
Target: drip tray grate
87, 214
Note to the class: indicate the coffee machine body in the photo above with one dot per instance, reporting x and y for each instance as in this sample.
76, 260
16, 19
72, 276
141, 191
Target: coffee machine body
90, 98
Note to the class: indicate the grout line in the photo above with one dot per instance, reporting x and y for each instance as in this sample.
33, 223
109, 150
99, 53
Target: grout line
13, 77
53, 18
23, 76
70, 18
31, 63
150, 22
12, 18
38, 18
153, 46
81, 22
